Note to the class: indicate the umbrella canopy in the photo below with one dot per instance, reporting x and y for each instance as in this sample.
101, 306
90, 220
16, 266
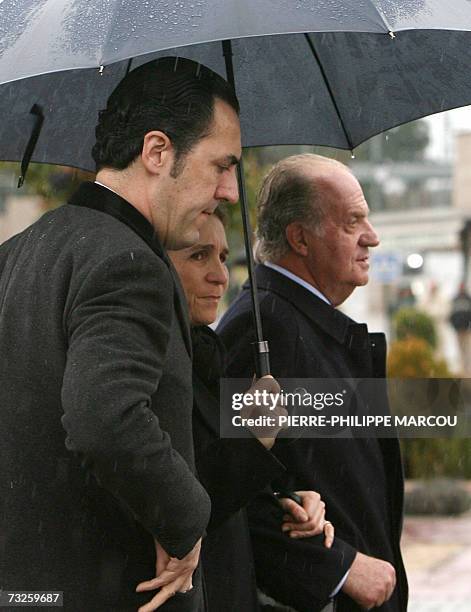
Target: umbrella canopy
330, 73
42, 36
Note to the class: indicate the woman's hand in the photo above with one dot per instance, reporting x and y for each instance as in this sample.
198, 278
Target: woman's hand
308, 519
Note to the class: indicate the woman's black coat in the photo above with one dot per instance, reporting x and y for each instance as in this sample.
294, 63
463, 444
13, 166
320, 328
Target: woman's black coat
233, 472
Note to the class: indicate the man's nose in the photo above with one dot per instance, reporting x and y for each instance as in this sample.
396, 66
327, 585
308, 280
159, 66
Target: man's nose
228, 188
369, 237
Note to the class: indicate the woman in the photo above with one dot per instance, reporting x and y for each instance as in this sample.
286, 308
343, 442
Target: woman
232, 470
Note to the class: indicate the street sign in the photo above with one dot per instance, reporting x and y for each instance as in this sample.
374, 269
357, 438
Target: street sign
386, 267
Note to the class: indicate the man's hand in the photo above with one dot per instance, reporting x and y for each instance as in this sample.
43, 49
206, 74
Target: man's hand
172, 576
307, 520
370, 581
268, 388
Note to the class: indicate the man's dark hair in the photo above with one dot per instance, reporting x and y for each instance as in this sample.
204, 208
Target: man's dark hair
173, 95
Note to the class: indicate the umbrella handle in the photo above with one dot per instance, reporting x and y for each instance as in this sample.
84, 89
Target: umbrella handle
262, 358
289, 495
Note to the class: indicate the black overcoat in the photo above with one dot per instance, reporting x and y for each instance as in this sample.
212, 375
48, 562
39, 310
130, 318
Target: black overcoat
96, 451
360, 480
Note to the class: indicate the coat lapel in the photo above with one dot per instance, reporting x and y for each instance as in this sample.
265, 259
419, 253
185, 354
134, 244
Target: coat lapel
329, 319
367, 351
97, 197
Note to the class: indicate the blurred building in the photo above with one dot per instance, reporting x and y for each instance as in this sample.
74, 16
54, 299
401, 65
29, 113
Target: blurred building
17, 209
462, 175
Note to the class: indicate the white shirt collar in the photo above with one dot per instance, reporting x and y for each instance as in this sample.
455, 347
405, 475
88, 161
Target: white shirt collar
106, 187
298, 280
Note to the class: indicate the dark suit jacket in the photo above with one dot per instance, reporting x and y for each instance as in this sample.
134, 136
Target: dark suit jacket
359, 479
233, 472
96, 454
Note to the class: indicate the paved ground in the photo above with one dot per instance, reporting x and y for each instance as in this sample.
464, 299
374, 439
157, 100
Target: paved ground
437, 554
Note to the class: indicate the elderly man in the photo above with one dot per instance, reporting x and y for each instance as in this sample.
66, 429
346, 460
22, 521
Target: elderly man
314, 240
97, 492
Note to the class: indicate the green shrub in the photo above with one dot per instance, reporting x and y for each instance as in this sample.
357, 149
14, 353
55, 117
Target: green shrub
413, 358
425, 457
413, 323
440, 496
431, 457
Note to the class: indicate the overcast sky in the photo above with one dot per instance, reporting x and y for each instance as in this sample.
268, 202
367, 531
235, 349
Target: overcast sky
443, 129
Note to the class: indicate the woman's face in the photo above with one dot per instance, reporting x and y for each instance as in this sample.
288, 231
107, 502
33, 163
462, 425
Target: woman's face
203, 272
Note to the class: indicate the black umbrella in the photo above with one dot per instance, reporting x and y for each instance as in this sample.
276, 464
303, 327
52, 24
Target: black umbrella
321, 72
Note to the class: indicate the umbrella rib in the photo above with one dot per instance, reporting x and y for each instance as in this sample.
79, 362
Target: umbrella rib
329, 89
382, 16
128, 66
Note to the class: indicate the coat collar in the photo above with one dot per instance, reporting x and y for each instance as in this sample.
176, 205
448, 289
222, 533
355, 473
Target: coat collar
329, 319
98, 197
368, 350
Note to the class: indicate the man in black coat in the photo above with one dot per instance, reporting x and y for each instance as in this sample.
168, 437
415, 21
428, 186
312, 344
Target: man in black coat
314, 236
97, 490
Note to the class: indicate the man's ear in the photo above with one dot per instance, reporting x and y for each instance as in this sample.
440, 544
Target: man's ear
157, 152
296, 236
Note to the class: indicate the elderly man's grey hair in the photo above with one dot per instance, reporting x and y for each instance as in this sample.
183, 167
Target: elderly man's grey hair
289, 193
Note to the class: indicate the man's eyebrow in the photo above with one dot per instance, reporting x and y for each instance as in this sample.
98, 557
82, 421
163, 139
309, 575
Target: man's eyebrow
357, 212
230, 160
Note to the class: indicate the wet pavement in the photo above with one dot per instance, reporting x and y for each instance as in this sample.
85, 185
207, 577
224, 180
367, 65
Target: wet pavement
437, 555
